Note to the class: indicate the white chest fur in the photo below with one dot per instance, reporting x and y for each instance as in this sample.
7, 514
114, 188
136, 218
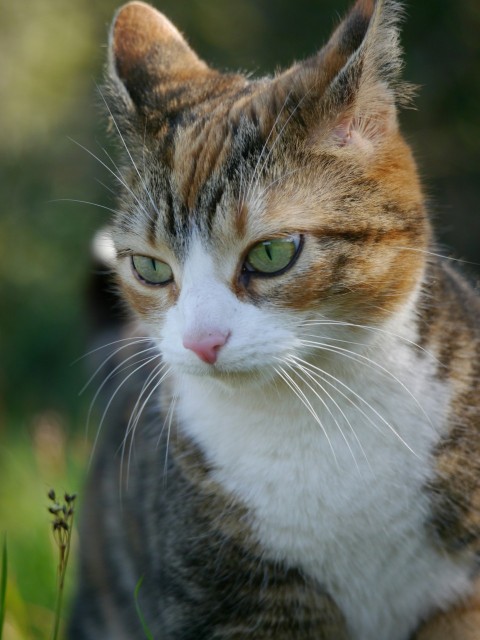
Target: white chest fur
346, 503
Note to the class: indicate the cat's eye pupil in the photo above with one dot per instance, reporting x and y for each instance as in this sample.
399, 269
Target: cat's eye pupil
151, 271
272, 257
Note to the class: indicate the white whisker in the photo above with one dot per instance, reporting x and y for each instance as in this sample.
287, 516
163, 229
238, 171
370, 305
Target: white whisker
299, 372
147, 192
109, 357
254, 181
168, 422
157, 370
305, 401
120, 178
436, 255
117, 369
131, 340
133, 415
164, 374
315, 380
114, 394
92, 204
361, 399
264, 147
368, 362
276, 181
106, 187
366, 327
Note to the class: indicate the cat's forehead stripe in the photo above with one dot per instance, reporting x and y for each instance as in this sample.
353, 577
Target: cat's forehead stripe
207, 161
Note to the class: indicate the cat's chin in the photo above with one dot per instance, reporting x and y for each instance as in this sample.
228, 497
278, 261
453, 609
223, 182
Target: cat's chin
226, 378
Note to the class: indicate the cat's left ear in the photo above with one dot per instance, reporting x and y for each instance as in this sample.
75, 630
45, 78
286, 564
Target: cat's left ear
152, 70
347, 95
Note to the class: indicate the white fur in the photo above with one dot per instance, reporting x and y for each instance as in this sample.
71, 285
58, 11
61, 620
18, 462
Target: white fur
207, 304
343, 500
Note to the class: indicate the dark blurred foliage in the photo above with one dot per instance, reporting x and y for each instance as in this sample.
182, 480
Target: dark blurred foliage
52, 53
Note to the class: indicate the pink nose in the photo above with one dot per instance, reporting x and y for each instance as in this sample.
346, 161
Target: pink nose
206, 347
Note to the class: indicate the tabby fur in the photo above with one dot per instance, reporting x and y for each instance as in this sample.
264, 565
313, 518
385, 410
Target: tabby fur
319, 478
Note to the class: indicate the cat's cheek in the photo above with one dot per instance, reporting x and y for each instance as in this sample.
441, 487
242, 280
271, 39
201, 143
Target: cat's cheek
149, 304
141, 303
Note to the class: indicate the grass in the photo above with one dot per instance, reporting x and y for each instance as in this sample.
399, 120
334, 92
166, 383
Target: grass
34, 456
145, 628
3, 585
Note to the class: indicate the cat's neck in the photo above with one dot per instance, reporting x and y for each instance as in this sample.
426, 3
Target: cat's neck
326, 478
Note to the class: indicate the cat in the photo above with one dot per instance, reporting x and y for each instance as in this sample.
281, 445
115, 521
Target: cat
303, 461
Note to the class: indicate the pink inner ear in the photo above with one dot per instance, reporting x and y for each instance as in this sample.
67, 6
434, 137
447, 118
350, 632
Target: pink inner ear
363, 132
347, 134
342, 133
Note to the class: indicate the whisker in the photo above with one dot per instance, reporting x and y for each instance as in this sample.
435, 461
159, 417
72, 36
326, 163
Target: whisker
117, 369
132, 340
368, 362
253, 182
114, 394
297, 370
305, 401
147, 192
335, 388
150, 380
93, 204
342, 323
157, 370
274, 182
264, 147
332, 399
106, 187
436, 255
320, 337
109, 357
122, 366
169, 428
314, 368
139, 415
120, 178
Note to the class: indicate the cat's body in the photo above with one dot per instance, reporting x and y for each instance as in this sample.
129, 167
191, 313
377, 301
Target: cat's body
313, 471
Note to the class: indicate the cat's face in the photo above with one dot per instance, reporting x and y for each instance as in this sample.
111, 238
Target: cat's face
254, 210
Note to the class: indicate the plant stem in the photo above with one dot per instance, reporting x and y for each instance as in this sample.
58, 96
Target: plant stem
3, 586
62, 532
62, 569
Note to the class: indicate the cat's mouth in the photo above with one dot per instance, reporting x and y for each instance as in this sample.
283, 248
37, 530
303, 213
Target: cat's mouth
228, 376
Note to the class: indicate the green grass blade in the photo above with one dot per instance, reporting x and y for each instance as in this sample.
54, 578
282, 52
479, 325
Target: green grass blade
3, 586
146, 630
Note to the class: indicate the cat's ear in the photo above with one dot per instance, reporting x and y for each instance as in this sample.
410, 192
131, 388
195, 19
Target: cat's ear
150, 63
346, 95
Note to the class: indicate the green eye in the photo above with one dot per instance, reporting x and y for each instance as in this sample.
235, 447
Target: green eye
272, 257
151, 271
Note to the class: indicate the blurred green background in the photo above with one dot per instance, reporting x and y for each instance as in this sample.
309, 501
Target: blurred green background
51, 53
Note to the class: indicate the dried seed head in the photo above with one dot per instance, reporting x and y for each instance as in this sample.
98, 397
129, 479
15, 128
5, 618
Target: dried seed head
51, 494
55, 509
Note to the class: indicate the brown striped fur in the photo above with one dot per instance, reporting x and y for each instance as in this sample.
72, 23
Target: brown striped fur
314, 151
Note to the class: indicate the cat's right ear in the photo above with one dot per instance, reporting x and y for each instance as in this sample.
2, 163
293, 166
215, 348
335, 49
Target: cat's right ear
346, 96
150, 63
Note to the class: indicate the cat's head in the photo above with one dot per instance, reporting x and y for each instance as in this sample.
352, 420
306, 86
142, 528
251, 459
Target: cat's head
253, 209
